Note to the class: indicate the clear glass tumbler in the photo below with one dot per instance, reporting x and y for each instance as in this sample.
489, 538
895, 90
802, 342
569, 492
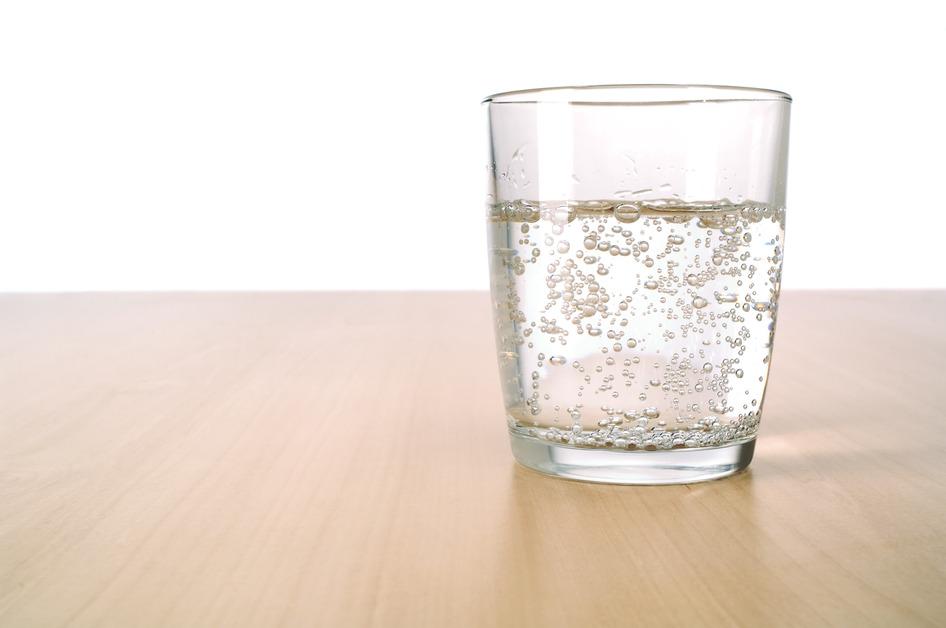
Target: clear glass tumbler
636, 240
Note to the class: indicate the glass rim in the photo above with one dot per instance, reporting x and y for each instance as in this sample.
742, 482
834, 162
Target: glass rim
631, 94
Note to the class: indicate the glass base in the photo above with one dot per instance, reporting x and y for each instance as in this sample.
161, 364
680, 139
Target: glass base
673, 466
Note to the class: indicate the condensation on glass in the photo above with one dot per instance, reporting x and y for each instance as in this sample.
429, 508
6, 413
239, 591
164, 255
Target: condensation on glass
636, 235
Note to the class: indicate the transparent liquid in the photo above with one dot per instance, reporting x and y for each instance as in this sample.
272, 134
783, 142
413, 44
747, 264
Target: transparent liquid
635, 325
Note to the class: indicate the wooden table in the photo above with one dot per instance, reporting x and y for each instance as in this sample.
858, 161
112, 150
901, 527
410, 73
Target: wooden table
342, 460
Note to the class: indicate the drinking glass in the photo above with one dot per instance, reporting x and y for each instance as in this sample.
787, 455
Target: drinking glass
636, 237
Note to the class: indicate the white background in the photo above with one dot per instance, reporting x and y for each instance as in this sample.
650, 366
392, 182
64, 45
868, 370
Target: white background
209, 144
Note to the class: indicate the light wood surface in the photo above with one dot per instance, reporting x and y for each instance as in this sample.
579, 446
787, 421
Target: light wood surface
342, 460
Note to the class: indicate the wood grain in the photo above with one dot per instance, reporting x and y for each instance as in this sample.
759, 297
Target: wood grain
341, 460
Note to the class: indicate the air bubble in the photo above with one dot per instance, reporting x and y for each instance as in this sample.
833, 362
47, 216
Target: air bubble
627, 213
563, 214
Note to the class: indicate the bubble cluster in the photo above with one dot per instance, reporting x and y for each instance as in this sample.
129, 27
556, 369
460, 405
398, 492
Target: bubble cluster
639, 432
635, 325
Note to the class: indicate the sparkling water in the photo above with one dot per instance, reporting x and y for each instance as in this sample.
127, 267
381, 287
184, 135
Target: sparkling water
644, 325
